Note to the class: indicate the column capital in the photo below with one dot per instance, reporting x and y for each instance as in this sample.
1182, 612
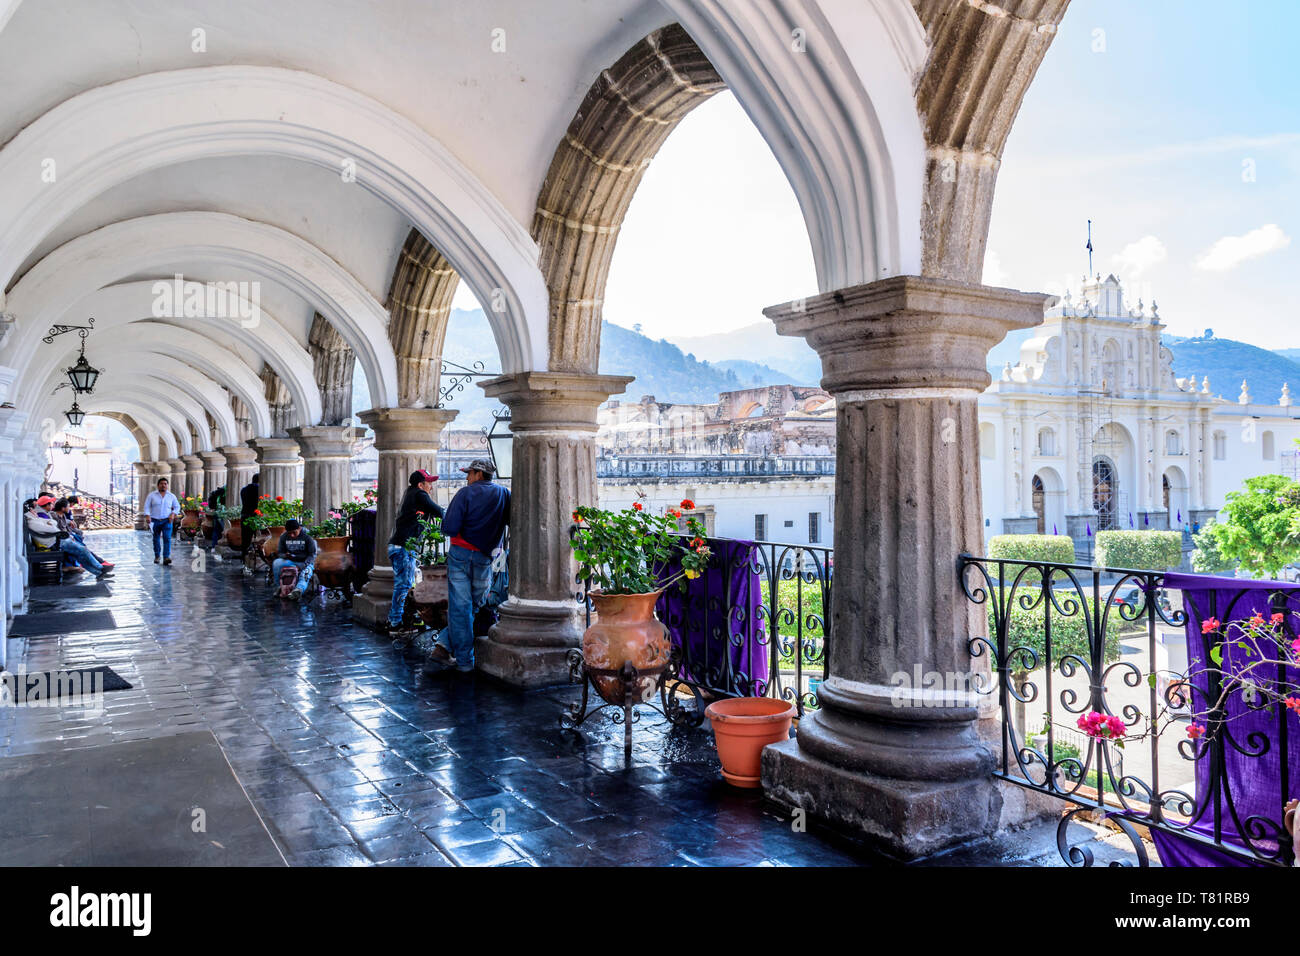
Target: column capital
554, 400
907, 333
326, 441
212, 460
237, 455
407, 428
192, 462
274, 451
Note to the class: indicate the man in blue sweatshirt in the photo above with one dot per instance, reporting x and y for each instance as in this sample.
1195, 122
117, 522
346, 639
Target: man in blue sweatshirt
475, 521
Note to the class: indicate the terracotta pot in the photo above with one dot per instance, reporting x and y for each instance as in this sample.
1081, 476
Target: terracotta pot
742, 727
626, 631
430, 595
272, 542
235, 534
192, 521
333, 561
206, 526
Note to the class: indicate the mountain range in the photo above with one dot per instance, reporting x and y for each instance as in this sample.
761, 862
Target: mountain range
695, 369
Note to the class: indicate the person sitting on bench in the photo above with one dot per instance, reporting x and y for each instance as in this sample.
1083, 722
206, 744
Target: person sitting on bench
45, 532
62, 514
297, 548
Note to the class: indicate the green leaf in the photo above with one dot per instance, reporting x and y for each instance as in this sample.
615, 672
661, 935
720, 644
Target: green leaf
1216, 655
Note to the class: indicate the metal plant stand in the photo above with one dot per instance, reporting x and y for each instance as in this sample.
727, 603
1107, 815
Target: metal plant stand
624, 713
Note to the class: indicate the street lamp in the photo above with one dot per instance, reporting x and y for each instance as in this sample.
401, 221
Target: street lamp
82, 375
75, 414
501, 445
67, 448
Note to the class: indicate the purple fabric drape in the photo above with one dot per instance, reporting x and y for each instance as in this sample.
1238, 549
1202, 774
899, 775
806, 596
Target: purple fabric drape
1243, 792
719, 622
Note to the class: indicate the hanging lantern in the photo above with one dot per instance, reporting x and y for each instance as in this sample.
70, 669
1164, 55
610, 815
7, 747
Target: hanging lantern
67, 449
75, 414
82, 375
501, 444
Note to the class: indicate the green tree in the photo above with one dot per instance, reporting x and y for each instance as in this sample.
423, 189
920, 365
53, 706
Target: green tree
1262, 530
1207, 558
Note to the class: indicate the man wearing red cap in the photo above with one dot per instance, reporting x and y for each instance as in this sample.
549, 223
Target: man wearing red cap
416, 504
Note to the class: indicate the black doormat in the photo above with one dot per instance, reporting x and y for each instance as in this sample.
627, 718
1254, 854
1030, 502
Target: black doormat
62, 622
47, 686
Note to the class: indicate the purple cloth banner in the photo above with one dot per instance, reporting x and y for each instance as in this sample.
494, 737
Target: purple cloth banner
719, 623
1245, 797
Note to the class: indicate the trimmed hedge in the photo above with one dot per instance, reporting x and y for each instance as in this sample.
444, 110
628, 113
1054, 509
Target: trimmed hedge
1140, 550
1057, 548
1069, 633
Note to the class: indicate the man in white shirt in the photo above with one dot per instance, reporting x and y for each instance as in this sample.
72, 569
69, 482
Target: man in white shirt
162, 508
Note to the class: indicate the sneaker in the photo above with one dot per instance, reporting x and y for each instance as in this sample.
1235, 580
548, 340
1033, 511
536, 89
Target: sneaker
156, 559
103, 574
107, 565
167, 560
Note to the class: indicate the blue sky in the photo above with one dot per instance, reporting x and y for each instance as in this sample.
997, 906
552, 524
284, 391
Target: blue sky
1145, 127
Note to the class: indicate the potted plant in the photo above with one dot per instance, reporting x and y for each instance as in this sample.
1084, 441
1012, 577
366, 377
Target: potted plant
430, 593
628, 558
270, 516
193, 520
333, 562
232, 516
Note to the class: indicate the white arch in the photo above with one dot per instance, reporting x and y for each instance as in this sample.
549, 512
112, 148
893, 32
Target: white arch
130, 302
131, 364
100, 258
839, 116
173, 410
150, 432
108, 135
220, 365
162, 442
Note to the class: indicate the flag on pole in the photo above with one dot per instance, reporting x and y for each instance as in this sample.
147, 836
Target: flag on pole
1089, 247
1054, 531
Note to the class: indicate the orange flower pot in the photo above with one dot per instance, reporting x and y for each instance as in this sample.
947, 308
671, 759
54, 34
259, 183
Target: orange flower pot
742, 727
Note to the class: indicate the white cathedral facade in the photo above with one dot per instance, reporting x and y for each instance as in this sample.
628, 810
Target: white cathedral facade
1091, 430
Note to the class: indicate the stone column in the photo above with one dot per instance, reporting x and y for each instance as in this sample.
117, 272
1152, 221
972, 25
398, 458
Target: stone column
214, 472
553, 418
406, 439
193, 475
326, 465
175, 476
887, 757
277, 462
241, 465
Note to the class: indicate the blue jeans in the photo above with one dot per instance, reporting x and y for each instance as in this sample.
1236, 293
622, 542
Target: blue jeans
162, 528
305, 569
469, 575
217, 528
403, 563
82, 555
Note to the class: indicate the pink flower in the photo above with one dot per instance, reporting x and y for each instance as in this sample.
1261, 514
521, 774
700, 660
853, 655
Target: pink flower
1278, 618
1195, 730
1096, 724
1209, 624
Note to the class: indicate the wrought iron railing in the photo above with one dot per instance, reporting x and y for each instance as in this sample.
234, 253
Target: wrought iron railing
1066, 641
756, 625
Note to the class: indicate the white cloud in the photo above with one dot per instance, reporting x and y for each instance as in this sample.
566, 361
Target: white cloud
993, 272
1137, 257
1231, 251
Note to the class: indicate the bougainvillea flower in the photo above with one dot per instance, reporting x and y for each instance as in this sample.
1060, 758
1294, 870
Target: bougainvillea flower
1195, 730
1278, 618
1209, 624
1293, 703
1257, 619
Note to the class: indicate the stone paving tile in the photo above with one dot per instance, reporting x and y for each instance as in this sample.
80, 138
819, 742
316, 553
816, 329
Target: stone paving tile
354, 758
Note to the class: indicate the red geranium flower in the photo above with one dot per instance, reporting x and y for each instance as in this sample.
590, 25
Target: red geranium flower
577, 518
257, 511
688, 505
636, 506
279, 497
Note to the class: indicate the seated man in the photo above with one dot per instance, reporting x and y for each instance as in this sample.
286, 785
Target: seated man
217, 499
298, 548
62, 514
45, 532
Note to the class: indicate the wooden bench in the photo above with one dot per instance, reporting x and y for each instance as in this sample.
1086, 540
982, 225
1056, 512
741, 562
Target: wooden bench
46, 563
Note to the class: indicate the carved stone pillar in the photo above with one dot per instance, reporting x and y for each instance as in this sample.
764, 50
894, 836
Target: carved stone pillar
277, 462
175, 476
885, 758
193, 476
241, 465
553, 418
326, 465
406, 439
214, 472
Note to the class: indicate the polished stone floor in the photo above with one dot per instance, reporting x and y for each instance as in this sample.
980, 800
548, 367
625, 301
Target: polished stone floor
353, 757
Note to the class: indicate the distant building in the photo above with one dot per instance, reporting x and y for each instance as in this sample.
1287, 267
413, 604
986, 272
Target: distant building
1091, 429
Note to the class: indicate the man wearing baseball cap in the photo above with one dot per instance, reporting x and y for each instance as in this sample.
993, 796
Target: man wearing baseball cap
475, 522
416, 504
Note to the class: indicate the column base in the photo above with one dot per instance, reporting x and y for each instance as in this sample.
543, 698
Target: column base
372, 605
529, 645
904, 819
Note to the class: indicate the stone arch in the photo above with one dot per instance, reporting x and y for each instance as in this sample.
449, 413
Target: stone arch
142, 437
89, 262
1175, 489
625, 117
419, 305
1050, 507
115, 132
153, 419
982, 58
333, 362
